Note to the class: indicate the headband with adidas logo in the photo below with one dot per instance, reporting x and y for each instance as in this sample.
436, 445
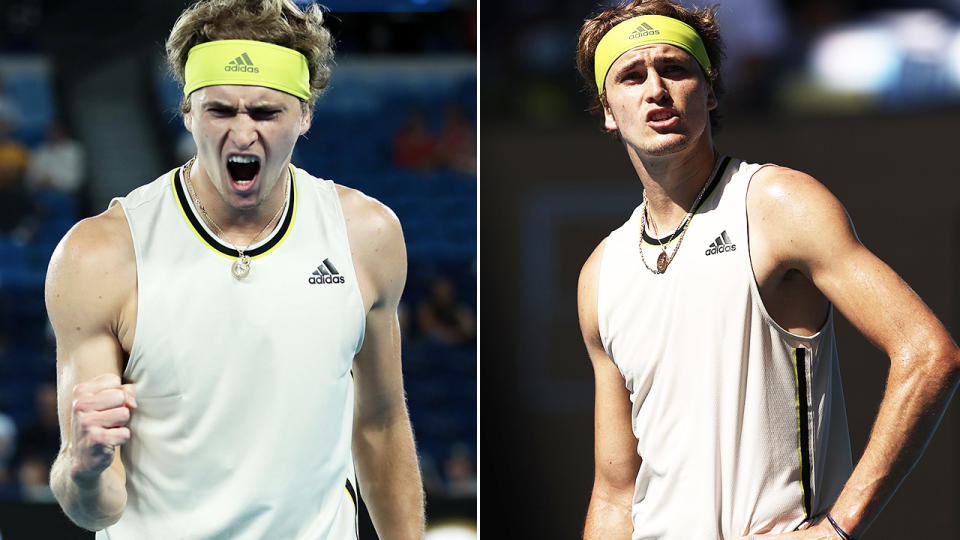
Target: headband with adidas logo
248, 63
645, 30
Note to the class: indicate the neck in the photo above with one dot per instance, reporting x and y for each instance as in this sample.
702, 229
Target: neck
240, 226
672, 183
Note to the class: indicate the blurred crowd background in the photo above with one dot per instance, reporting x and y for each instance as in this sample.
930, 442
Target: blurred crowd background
88, 111
791, 56
862, 94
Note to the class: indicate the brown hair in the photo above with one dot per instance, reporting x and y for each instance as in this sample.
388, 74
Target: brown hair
279, 22
703, 20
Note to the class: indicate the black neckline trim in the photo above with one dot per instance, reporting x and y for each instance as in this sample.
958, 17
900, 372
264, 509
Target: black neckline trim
214, 243
713, 185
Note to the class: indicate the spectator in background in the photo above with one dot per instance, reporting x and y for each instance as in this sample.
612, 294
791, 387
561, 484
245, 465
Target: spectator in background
14, 203
59, 163
414, 147
459, 470
34, 476
442, 317
8, 445
456, 145
41, 437
38, 444
8, 110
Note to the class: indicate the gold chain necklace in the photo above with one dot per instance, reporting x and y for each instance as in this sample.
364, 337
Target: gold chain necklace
664, 260
241, 267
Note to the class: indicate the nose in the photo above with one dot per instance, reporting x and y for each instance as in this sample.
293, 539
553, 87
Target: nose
243, 131
656, 90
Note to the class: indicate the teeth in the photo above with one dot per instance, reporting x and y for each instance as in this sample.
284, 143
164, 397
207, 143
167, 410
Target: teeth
243, 159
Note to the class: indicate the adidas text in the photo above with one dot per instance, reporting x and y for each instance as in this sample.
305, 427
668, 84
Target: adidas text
246, 69
720, 249
320, 280
636, 35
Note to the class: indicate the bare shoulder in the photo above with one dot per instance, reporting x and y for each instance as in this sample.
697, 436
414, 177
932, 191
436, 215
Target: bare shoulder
368, 219
793, 219
587, 288
94, 266
590, 272
376, 245
781, 192
95, 242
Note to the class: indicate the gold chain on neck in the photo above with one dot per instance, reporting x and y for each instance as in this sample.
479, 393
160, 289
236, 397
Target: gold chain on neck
241, 267
664, 260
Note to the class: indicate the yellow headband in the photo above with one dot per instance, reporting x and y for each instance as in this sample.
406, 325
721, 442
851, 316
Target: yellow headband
644, 30
248, 63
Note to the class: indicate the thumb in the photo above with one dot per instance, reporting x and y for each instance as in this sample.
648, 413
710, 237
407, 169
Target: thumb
131, 395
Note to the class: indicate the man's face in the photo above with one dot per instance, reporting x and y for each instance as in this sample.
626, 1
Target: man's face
245, 137
659, 99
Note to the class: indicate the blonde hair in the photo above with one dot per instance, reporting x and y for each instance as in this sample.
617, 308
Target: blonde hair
279, 22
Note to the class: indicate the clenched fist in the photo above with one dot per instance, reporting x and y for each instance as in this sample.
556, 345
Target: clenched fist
100, 412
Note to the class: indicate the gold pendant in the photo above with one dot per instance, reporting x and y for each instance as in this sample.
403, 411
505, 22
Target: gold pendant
241, 267
662, 262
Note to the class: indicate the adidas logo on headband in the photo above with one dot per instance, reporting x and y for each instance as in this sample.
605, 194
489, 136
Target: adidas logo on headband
643, 30
242, 63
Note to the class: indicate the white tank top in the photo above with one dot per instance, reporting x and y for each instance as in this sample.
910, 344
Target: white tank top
244, 387
740, 424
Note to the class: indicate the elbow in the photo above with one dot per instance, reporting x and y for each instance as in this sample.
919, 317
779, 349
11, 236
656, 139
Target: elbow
936, 360
87, 510
945, 360
952, 360
100, 523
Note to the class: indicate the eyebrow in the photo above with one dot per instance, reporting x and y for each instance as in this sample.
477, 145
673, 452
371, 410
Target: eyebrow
666, 59
257, 108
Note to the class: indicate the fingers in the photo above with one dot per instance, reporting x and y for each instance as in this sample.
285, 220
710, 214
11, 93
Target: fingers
104, 399
115, 436
97, 438
97, 395
131, 395
109, 418
101, 412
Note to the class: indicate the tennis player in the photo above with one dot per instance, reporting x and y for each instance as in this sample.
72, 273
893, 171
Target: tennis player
708, 317
227, 339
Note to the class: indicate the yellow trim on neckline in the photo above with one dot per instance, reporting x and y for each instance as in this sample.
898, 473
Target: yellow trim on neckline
183, 212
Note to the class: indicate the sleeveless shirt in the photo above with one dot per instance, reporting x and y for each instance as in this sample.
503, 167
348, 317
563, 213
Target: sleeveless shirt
740, 424
244, 387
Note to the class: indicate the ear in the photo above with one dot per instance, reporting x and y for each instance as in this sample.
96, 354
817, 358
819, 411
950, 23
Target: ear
188, 121
305, 121
711, 99
609, 122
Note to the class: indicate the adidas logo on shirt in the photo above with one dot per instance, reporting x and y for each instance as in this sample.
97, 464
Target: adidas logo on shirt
722, 244
325, 273
242, 63
643, 30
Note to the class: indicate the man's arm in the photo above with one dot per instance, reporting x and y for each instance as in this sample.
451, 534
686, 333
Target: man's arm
794, 211
87, 285
387, 468
616, 461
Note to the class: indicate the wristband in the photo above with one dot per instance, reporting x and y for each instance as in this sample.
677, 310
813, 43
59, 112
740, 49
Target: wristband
843, 534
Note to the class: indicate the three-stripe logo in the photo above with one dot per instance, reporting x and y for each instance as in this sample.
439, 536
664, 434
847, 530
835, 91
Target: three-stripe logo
326, 272
242, 63
722, 244
643, 30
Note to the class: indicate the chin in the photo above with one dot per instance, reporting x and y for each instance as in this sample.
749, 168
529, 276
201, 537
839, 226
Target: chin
666, 145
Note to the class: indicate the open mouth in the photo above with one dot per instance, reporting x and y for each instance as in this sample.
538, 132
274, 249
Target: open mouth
243, 169
660, 116
663, 119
